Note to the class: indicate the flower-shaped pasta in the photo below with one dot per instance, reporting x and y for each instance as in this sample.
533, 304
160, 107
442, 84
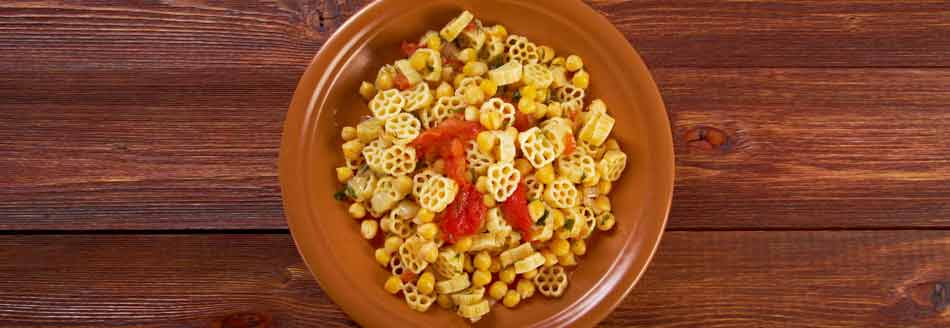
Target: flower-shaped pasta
404, 67
473, 38
505, 110
403, 128
395, 225
485, 241
561, 193
409, 253
419, 179
535, 187
399, 160
494, 49
513, 255
449, 263
551, 281
509, 73
437, 193
387, 103
597, 128
497, 226
536, 147
505, 151
433, 65
395, 265
384, 197
503, 179
456, 26
418, 97
579, 168
416, 300
537, 75
444, 108
558, 130
612, 165
589, 222
454, 284
522, 50
469, 296
572, 98
472, 81
474, 312
362, 186
476, 159
529, 263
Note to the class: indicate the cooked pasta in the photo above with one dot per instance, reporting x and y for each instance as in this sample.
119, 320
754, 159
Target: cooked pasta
483, 166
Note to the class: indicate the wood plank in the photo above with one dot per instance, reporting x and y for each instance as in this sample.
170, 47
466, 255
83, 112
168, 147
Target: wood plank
155, 149
708, 279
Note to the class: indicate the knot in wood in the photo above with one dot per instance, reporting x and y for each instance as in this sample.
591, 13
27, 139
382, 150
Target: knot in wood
244, 320
707, 138
941, 296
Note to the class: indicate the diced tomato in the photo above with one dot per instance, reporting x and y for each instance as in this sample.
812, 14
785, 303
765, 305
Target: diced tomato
402, 82
464, 216
454, 63
408, 48
515, 211
569, 144
471, 26
429, 143
523, 121
454, 156
407, 276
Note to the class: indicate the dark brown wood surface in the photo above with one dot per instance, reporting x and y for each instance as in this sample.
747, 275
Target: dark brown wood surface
828, 205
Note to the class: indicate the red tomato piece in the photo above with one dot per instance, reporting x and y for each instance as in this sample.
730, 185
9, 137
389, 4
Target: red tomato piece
454, 156
523, 121
569, 144
408, 48
430, 142
407, 276
464, 216
471, 26
515, 210
402, 82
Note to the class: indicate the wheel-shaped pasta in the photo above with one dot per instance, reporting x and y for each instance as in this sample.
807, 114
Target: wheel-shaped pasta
586, 148
385, 197
505, 110
433, 67
454, 284
559, 74
573, 222
485, 241
404, 67
589, 222
493, 50
419, 179
551, 281
558, 130
456, 26
396, 266
535, 187
355, 163
536, 147
373, 153
418, 97
416, 299
472, 81
469, 296
476, 159
597, 128
444, 108
409, 254
522, 50
537, 75
437, 193
533, 261
361, 186
449, 264
561, 193
578, 168
506, 151
393, 224
474, 312
513, 255
387, 103
509, 73
502, 180
571, 97
473, 38
612, 165
399, 160
497, 226
403, 128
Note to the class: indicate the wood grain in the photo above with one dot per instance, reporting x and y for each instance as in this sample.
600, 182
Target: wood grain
707, 279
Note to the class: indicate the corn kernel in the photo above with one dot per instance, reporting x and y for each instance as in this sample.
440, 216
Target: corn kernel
467, 55
403, 184
581, 79
540, 110
467, 263
612, 144
428, 230
536, 209
393, 284
573, 63
367, 90
489, 200
545, 174
429, 252
434, 42
481, 184
497, 290
604, 186
384, 81
489, 87
485, 141
475, 68
507, 275
418, 60
343, 174
526, 106
558, 218
557, 61
426, 283
368, 228
601, 204
512, 298
463, 244
554, 110
495, 265
498, 31
392, 244
357, 211
471, 114
348, 133
445, 301
567, 260
369, 130
549, 258
579, 247
444, 90
530, 274
606, 223
482, 261
481, 278
491, 120
474, 95
525, 289
523, 166
382, 257
529, 92
560, 247
548, 54
352, 149
425, 216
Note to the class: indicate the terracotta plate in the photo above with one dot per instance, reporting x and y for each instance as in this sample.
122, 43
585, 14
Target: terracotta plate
327, 99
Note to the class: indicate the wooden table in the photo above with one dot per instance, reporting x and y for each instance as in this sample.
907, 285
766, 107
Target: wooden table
138, 148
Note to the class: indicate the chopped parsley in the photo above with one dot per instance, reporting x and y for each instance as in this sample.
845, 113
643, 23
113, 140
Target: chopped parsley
342, 194
569, 224
544, 217
339, 195
516, 97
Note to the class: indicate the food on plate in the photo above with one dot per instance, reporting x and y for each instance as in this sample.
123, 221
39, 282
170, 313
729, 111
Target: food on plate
483, 170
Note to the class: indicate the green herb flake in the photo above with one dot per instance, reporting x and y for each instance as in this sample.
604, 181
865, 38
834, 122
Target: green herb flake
516, 97
544, 217
339, 195
569, 224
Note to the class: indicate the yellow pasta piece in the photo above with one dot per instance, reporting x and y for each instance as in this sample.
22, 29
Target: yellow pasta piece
362, 185
561, 193
393, 224
557, 130
454, 284
404, 67
416, 300
503, 179
396, 266
403, 128
551, 281
419, 179
473, 38
474, 312
418, 97
559, 75
505, 110
571, 97
437, 193
409, 254
467, 83
513, 255
385, 197
433, 65
535, 187
497, 226
509, 73
399, 160
469, 296
574, 223
612, 165
387, 103
449, 263
373, 153
493, 50
522, 50
589, 222
533, 261
484, 241
537, 75
578, 168
456, 26
597, 128
444, 108
536, 148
